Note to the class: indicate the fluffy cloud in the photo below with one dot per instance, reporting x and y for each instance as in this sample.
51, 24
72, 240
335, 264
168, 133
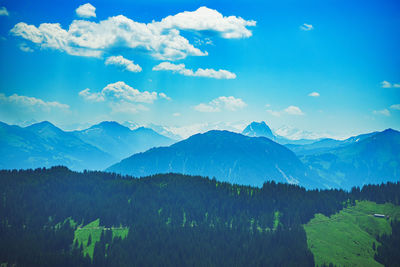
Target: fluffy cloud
229, 103
396, 106
86, 11
206, 19
162, 95
123, 62
384, 112
120, 91
314, 94
181, 69
161, 39
31, 102
306, 27
122, 98
94, 97
386, 84
293, 110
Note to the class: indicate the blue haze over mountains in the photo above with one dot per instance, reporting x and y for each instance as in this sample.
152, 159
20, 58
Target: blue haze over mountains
44, 145
250, 158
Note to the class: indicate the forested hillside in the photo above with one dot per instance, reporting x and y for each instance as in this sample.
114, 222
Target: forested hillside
228, 156
56, 217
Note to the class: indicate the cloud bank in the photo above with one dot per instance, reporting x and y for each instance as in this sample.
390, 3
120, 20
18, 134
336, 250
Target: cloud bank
31, 102
161, 39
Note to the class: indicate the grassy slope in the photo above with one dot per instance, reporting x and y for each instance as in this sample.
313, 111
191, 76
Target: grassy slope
94, 230
346, 238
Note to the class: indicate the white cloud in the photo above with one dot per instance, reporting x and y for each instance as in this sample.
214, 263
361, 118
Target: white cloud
293, 110
162, 95
396, 106
386, 84
306, 27
229, 103
25, 48
3, 11
121, 91
314, 94
205, 41
290, 110
161, 39
181, 69
274, 112
176, 114
384, 112
123, 62
94, 97
206, 19
86, 11
31, 102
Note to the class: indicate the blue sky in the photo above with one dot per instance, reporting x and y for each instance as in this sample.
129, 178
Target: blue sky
324, 67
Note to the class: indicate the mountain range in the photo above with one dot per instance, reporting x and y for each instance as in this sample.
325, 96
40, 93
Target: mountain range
261, 129
120, 141
228, 156
251, 158
45, 145
366, 159
256, 156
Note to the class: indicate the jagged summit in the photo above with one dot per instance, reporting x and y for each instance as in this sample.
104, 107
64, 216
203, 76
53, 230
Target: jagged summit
258, 129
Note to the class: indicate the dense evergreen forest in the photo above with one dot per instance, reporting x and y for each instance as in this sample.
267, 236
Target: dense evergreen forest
172, 219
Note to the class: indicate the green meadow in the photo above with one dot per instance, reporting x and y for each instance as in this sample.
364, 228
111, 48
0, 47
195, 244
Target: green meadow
346, 238
94, 230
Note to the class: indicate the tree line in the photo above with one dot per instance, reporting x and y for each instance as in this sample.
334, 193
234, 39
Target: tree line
173, 219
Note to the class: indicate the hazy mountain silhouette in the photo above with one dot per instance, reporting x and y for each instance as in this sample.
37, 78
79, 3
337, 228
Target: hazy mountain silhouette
374, 158
44, 145
120, 141
261, 129
225, 155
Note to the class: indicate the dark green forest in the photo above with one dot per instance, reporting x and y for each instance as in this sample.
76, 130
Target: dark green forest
172, 219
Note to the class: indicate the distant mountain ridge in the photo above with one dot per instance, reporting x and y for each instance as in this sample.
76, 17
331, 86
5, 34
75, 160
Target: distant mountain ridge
44, 145
325, 163
326, 144
225, 155
372, 158
261, 129
120, 141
